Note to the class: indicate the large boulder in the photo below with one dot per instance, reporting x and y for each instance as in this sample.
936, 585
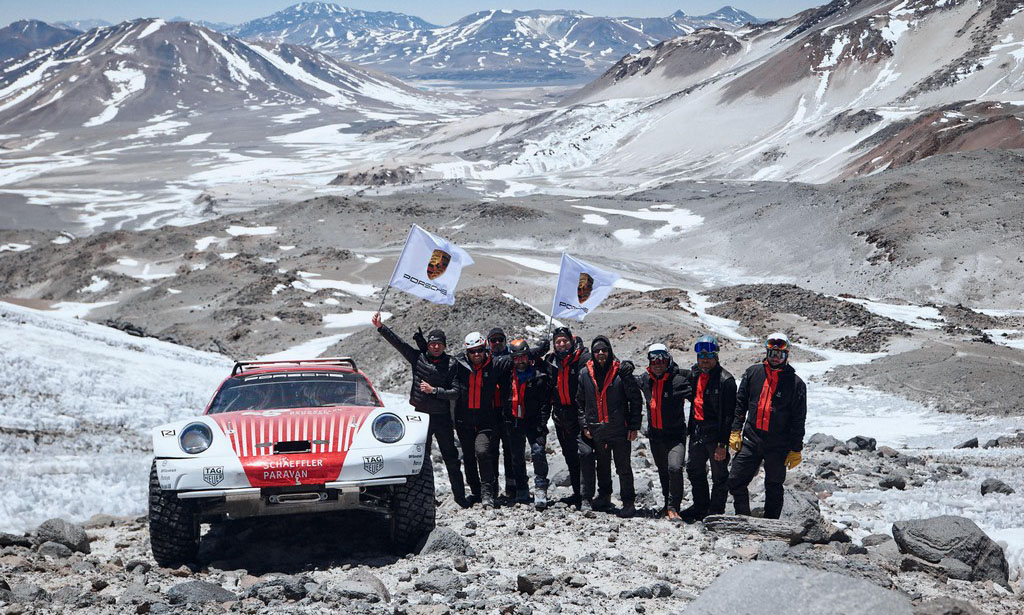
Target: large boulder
825, 442
812, 530
62, 532
994, 485
192, 592
444, 540
955, 544
861, 443
756, 588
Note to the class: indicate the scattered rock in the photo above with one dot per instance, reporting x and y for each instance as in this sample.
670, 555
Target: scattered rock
893, 481
812, 529
887, 452
794, 590
990, 485
875, 539
441, 581
14, 540
637, 592
28, 592
533, 579
946, 606
972, 443
459, 564
60, 531
861, 443
940, 539
55, 550
191, 592
444, 540
825, 442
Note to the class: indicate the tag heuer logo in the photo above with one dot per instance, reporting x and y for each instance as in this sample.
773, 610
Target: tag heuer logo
213, 475
373, 463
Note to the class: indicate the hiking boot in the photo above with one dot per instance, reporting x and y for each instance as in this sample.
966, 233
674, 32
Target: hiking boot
523, 497
602, 502
487, 499
628, 510
693, 514
540, 499
573, 500
586, 506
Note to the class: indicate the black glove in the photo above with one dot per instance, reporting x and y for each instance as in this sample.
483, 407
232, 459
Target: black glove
421, 341
626, 368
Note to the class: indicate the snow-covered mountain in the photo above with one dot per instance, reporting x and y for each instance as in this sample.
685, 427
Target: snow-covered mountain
28, 35
148, 68
849, 88
502, 45
84, 24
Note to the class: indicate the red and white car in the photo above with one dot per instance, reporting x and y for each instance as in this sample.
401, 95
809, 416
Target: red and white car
288, 437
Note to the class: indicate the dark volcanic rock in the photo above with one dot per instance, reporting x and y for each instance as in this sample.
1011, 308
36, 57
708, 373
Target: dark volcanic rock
994, 485
946, 606
811, 530
191, 592
861, 443
55, 549
794, 590
972, 443
533, 579
439, 581
62, 532
941, 539
444, 540
14, 540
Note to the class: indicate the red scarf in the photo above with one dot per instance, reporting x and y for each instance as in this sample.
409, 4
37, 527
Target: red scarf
764, 404
698, 400
476, 385
602, 391
519, 398
657, 391
564, 395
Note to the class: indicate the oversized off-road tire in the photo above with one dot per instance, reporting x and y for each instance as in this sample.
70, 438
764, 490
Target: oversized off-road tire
412, 509
173, 526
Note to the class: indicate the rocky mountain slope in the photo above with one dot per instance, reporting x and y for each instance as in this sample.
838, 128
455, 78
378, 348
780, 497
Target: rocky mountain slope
21, 37
847, 89
537, 46
144, 69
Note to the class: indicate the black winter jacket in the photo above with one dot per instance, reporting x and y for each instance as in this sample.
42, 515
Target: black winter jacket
623, 409
476, 404
438, 373
719, 405
778, 423
666, 412
530, 401
565, 377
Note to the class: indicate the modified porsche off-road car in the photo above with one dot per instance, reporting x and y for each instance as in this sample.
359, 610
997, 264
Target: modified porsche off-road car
289, 437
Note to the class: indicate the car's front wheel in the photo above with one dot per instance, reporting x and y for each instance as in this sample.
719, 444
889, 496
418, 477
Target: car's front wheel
412, 509
173, 526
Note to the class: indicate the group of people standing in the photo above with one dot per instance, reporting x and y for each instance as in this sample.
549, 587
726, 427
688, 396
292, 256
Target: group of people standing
499, 395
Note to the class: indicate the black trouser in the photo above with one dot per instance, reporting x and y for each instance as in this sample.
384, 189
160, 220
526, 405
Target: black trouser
442, 428
669, 456
538, 441
596, 457
515, 467
744, 469
479, 447
508, 458
701, 453
567, 429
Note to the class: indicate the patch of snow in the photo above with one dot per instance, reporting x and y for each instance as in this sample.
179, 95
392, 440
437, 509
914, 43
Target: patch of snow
310, 349
355, 318
195, 139
921, 317
205, 242
14, 247
98, 284
238, 231
595, 219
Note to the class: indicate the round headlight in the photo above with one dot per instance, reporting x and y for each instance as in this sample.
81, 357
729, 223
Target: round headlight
195, 438
388, 428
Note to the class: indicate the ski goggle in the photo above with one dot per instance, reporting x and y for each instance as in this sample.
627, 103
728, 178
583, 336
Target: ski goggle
658, 355
774, 353
706, 350
777, 344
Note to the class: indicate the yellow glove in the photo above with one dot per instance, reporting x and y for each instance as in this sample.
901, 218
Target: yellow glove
793, 459
736, 441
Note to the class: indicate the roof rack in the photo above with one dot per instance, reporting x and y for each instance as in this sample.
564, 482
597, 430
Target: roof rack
241, 366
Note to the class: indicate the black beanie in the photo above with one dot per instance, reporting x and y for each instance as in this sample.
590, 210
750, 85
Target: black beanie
600, 342
437, 335
562, 332
496, 331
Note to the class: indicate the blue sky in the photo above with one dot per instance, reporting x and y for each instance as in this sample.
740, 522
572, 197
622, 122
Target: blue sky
442, 13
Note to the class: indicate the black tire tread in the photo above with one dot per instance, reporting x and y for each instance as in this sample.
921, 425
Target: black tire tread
413, 509
173, 526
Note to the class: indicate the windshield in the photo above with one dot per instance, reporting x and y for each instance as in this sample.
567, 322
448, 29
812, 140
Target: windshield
293, 390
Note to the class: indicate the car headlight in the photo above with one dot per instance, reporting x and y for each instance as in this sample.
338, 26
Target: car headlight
388, 428
195, 438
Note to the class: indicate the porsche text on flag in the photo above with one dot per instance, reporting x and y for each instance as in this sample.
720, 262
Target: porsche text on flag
581, 288
429, 267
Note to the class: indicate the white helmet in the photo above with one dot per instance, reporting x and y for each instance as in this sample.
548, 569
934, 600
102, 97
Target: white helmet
777, 341
658, 350
474, 340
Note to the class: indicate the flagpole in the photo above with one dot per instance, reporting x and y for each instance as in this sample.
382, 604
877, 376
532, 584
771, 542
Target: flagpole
395, 270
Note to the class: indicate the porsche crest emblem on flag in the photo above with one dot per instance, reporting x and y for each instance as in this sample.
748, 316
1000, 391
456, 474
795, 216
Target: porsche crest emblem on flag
584, 288
438, 264
373, 463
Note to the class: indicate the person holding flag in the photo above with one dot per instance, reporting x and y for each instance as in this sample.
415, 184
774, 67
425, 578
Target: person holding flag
429, 267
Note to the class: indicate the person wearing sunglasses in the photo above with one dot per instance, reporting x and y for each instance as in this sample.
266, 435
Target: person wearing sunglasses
610, 410
527, 422
666, 388
432, 392
768, 428
712, 408
567, 359
478, 415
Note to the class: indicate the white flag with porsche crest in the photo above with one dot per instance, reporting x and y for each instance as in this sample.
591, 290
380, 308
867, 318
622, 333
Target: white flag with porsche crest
429, 267
581, 288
